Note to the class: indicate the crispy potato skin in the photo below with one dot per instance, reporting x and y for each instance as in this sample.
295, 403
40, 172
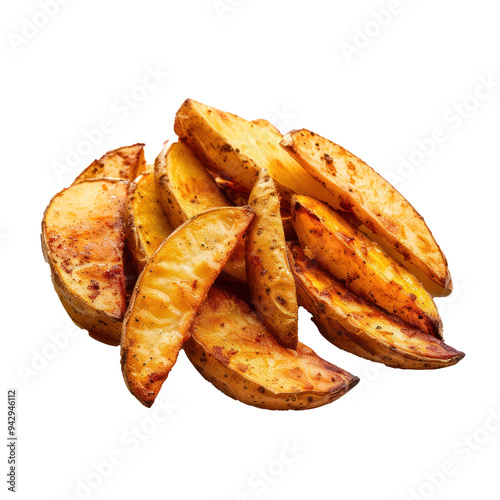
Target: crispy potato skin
269, 277
365, 267
232, 349
359, 327
82, 240
146, 225
186, 189
170, 289
102, 329
239, 198
373, 200
236, 149
123, 163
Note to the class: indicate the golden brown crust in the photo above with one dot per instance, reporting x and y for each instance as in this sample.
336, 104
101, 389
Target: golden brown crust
374, 201
270, 280
82, 240
231, 348
236, 149
186, 189
146, 225
365, 267
169, 291
359, 327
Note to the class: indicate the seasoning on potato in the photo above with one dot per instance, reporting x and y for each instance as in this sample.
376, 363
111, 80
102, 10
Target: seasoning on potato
146, 225
364, 266
199, 252
186, 189
269, 277
83, 239
168, 293
363, 192
353, 324
233, 350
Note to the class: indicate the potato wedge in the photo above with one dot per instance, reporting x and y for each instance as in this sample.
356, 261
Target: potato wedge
103, 330
269, 277
359, 327
146, 225
171, 287
82, 240
236, 149
365, 267
231, 348
373, 200
185, 189
239, 199
123, 163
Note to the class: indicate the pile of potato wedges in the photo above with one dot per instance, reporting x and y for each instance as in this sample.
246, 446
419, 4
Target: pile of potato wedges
214, 247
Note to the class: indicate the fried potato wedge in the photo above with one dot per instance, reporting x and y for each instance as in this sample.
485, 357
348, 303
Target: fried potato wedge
103, 330
146, 225
359, 327
236, 149
185, 189
232, 349
123, 163
373, 200
366, 268
240, 198
82, 240
269, 277
170, 289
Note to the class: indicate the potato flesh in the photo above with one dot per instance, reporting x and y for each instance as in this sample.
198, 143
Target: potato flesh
186, 189
377, 204
236, 149
168, 293
232, 349
83, 238
365, 267
355, 325
269, 277
145, 221
123, 163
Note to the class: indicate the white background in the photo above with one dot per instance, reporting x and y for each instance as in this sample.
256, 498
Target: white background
284, 61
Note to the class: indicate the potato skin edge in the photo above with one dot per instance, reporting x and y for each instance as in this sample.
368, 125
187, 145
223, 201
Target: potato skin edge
81, 313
